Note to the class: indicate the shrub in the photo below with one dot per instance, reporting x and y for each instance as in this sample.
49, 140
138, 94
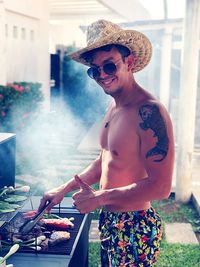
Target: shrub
20, 102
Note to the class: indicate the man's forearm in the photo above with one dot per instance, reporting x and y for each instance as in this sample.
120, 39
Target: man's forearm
144, 190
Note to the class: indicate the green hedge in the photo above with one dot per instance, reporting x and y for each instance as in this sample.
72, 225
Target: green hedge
20, 102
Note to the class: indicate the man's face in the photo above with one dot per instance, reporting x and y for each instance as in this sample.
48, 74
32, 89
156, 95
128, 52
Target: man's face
111, 83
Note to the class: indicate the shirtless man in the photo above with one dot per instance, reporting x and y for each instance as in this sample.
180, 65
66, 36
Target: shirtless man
136, 161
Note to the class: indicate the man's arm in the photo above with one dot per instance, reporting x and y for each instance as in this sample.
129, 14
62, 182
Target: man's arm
157, 154
90, 176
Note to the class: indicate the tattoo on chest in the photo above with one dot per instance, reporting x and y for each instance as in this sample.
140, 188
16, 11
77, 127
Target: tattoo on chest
153, 120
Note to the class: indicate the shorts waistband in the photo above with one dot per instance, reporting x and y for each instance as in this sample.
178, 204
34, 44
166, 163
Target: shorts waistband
104, 210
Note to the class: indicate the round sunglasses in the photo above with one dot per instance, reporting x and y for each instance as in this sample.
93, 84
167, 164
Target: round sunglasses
109, 68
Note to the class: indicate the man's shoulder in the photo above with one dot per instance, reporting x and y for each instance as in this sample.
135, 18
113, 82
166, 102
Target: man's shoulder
145, 104
151, 104
153, 113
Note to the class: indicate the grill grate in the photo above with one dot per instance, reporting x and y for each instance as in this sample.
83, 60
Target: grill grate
64, 248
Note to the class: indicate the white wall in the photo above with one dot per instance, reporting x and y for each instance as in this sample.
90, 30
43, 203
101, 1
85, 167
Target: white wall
26, 7
21, 51
66, 34
2, 45
24, 34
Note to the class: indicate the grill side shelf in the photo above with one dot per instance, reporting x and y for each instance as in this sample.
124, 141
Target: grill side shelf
7, 217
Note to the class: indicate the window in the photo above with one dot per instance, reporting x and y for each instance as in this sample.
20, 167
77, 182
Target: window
6, 30
32, 35
15, 32
23, 33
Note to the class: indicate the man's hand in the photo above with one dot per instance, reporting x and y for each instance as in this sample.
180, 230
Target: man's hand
55, 196
86, 199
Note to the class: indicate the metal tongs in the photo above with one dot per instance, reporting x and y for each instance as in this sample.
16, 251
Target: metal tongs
28, 226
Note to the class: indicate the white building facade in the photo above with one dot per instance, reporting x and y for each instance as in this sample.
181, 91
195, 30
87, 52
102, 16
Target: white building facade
24, 43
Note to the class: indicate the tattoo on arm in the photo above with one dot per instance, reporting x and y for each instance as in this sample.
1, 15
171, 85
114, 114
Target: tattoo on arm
153, 120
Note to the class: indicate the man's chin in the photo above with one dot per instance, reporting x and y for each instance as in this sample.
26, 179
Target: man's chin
107, 92
112, 93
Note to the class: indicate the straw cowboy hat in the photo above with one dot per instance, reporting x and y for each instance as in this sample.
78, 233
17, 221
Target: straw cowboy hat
104, 32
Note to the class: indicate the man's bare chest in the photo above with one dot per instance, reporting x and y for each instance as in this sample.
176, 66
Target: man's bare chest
119, 135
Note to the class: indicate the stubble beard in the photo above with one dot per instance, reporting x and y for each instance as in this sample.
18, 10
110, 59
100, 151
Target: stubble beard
114, 94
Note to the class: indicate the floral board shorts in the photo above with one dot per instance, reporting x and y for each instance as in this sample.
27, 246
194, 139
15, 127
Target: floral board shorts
129, 239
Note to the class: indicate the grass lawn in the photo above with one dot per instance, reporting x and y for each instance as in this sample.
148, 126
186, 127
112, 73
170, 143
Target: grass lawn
172, 255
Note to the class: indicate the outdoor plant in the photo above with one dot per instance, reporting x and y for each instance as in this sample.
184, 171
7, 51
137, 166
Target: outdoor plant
19, 103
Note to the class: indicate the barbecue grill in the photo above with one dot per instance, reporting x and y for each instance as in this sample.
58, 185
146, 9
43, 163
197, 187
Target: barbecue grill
72, 253
7, 159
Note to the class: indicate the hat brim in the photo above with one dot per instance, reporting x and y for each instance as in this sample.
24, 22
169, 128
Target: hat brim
137, 42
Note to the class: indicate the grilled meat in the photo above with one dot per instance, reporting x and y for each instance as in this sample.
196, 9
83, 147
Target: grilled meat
57, 224
58, 237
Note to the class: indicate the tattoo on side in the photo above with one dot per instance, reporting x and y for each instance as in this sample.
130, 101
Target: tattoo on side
153, 120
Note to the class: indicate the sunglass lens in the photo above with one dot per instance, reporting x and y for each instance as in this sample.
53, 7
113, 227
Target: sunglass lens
109, 68
93, 72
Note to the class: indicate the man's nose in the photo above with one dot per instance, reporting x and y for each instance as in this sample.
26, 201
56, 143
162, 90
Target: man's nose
102, 73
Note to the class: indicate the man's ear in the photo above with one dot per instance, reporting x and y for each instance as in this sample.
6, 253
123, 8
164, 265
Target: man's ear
130, 61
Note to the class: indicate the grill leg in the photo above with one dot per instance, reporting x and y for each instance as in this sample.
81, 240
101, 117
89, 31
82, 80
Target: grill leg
87, 261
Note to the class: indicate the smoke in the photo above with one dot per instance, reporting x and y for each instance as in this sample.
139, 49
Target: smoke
82, 95
47, 149
48, 139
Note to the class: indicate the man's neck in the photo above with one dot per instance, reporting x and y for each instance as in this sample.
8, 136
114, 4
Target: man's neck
127, 95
